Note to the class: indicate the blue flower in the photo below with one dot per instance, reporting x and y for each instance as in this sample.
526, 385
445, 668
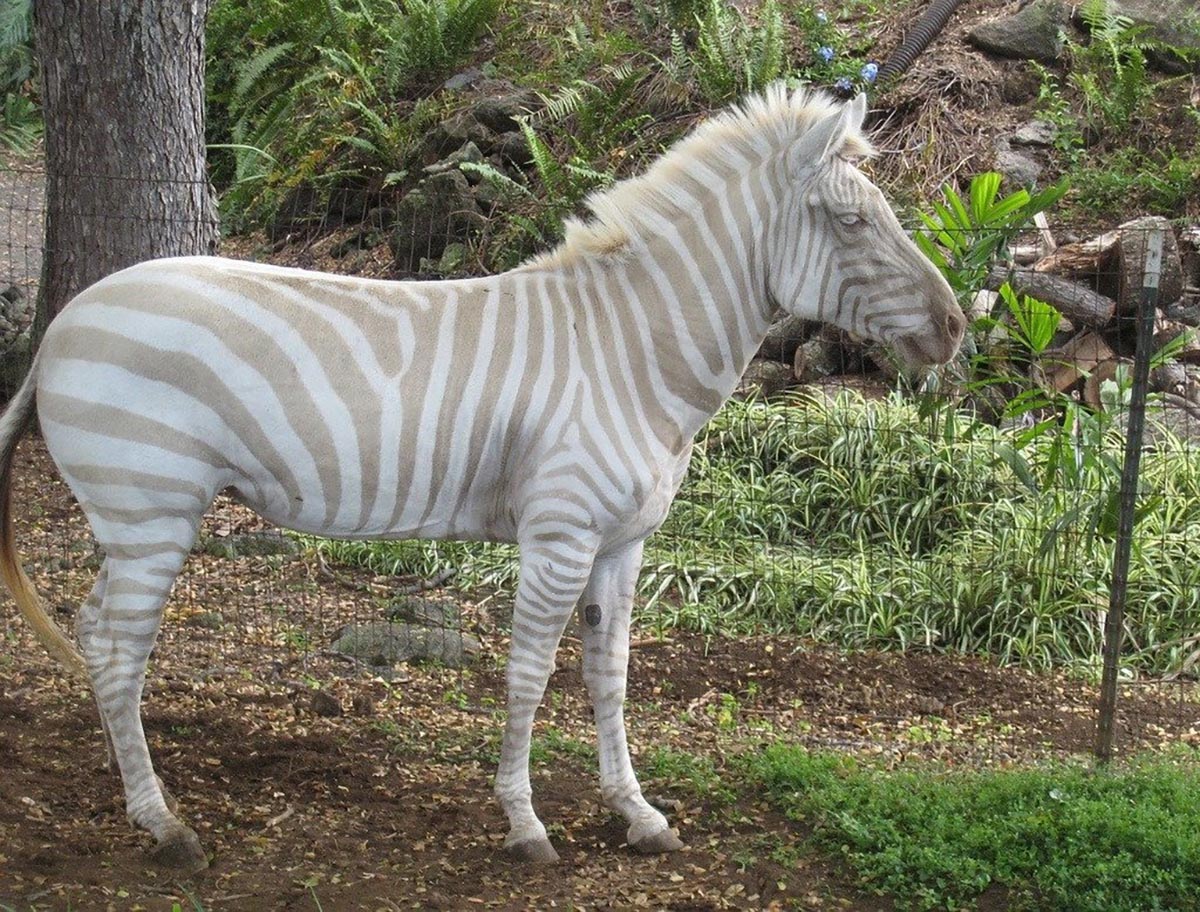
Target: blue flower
822, 17
844, 84
826, 53
869, 71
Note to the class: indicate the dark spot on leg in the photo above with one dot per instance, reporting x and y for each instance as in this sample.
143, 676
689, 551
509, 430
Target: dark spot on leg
591, 614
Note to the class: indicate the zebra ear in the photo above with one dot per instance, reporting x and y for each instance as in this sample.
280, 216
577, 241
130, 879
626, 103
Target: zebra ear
826, 138
821, 142
857, 109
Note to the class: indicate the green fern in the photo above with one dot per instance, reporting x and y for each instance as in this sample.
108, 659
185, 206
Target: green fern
20, 123
432, 36
1111, 71
734, 57
17, 60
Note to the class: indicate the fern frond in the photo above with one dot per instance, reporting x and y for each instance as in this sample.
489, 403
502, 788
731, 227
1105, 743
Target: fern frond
252, 71
496, 178
16, 21
565, 102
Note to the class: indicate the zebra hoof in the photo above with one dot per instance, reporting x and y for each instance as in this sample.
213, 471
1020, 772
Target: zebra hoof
533, 851
657, 843
180, 853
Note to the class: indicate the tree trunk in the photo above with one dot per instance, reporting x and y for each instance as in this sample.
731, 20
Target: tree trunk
123, 96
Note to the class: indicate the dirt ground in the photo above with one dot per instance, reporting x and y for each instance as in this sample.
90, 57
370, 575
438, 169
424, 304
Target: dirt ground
388, 805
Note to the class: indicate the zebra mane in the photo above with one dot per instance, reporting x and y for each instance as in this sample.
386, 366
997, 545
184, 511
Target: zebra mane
627, 212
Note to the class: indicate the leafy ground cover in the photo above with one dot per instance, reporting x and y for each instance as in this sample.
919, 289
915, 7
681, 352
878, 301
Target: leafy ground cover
1046, 838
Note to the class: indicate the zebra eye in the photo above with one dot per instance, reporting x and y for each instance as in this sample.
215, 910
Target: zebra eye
851, 219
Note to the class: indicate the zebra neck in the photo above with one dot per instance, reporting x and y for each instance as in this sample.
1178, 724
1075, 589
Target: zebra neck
683, 325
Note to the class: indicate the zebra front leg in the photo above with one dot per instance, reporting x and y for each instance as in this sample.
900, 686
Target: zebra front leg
552, 578
117, 647
604, 617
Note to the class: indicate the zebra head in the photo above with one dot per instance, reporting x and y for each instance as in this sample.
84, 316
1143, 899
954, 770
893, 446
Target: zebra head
842, 257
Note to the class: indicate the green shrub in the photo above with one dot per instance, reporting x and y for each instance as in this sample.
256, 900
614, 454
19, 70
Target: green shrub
1054, 838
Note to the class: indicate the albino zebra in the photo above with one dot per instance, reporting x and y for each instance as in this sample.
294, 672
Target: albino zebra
553, 406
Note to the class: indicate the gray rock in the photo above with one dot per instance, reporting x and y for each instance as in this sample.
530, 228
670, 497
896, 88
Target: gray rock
484, 121
1020, 169
1035, 133
424, 611
324, 704
208, 620
386, 643
1034, 32
464, 80
501, 113
437, 212
250, 544
450, 262
468, 152
513, 147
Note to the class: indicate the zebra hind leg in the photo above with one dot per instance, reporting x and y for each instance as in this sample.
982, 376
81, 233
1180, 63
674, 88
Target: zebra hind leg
119, 636
85, 624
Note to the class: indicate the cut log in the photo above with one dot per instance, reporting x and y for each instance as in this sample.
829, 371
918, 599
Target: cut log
1189, 255
1062, 368
983, 302
1082, 260
1076, 302
1169, 378
1105, 370
1044, 232
1132, 253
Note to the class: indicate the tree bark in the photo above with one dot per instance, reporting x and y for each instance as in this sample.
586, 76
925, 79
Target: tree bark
123, 97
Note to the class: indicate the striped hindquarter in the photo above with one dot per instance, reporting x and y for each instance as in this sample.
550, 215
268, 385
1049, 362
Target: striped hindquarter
552, 406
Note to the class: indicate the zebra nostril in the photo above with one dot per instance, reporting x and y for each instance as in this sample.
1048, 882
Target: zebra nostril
956, 324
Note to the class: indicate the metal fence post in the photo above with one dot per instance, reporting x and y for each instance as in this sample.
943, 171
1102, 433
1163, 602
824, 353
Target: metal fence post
1115, 621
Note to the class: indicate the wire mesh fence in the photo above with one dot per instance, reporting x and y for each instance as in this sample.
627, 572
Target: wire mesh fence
836, 498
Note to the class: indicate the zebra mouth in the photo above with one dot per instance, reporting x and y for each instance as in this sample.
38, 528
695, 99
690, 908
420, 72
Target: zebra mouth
925, 350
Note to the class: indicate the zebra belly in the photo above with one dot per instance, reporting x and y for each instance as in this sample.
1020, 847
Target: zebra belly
469, 522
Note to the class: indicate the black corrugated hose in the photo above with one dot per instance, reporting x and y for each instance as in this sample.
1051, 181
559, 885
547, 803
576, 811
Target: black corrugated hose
927, 28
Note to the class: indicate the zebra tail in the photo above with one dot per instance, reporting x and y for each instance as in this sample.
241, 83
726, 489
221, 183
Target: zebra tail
13, 423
